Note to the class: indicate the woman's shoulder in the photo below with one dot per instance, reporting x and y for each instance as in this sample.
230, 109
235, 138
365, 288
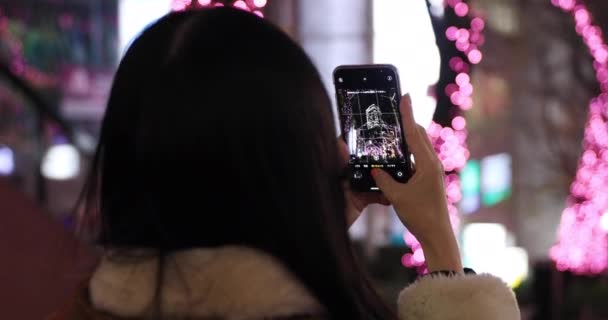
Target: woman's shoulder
79, 307
221, 283
471, 297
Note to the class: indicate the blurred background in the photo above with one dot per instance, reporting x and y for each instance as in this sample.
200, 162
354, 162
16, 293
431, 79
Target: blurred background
514, 94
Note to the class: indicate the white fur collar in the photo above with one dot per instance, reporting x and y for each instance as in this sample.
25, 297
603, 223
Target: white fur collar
470, 297
229, 282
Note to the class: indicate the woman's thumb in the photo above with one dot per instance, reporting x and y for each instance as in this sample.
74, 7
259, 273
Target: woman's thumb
384, 181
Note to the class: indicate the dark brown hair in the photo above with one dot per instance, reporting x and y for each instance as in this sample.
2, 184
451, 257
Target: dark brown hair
218, 131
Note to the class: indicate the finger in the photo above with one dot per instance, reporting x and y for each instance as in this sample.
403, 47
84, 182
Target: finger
424, 136
430, 154
432, 158
412, 138
386, 183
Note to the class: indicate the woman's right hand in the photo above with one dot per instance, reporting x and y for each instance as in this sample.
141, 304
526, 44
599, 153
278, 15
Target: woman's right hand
421, 203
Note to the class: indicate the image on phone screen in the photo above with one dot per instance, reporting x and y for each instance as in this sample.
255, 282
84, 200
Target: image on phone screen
371, 127
368, 105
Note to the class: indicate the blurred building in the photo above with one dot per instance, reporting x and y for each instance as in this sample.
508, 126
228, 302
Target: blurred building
63, 55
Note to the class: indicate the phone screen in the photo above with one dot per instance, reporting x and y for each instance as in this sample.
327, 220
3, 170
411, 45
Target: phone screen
368, 105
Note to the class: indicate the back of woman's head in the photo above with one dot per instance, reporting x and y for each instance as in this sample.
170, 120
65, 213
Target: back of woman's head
218, 132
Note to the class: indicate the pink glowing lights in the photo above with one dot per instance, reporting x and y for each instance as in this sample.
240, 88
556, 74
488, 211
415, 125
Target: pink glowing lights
461, 9
477, 24
468, 42
459, 123
451, 33
462, 79
475, 56
179, 5
582, 245
458, 65
450, 142
240, 4
254, 6
259, 3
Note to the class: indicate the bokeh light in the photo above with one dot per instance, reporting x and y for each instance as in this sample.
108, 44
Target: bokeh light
240, 4
61, 162
259, 3
604, 222
7, 161
461, 9
459, 123
179, 5
253, 6
475, 56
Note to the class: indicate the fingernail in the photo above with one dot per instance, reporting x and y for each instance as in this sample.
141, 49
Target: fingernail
374, 172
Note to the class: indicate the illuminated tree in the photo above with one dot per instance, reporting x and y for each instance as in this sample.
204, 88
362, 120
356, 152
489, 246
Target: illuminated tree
582, 245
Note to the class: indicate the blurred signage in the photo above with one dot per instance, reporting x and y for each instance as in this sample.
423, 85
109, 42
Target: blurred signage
486, 182
495, 179
85, 93
470, 181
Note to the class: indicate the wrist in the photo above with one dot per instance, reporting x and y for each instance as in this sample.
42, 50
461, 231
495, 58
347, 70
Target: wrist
441, 252
450, 273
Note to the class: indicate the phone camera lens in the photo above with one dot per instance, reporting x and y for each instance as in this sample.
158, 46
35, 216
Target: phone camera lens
340, 80
389, 78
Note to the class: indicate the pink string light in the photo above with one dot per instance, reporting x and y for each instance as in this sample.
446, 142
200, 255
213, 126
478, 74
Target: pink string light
450, 142
254, 6
179, 5
240, 4
582, 245
259, 3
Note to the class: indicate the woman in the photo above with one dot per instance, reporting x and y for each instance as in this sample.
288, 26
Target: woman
219, 191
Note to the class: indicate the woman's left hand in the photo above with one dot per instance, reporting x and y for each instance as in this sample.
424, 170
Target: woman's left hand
357, 201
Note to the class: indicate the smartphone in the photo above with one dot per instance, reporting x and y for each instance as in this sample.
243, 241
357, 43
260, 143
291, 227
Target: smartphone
368, 106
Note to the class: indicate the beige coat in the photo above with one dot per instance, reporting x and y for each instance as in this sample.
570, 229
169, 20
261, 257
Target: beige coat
241, 283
